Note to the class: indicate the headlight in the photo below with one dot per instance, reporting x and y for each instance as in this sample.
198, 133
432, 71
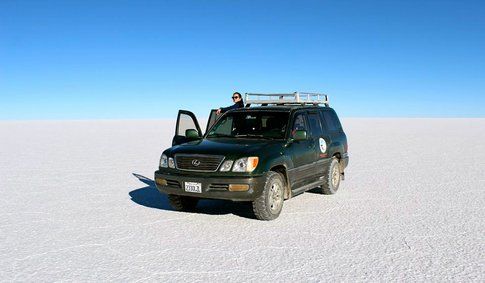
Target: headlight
226, 166
246, 164
171, 163
164, 161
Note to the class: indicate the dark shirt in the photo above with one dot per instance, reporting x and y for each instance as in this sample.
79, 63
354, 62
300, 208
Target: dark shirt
236, 105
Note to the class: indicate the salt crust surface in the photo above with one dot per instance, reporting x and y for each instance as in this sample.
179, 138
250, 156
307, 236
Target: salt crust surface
410, 209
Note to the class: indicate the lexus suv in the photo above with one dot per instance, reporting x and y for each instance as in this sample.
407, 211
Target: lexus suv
264, 155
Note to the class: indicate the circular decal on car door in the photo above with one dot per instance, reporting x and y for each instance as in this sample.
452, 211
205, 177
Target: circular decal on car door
323, 145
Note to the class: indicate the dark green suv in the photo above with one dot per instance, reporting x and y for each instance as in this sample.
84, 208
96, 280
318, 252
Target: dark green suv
262, 154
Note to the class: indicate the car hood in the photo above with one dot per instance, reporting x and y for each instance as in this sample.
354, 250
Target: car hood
227, 147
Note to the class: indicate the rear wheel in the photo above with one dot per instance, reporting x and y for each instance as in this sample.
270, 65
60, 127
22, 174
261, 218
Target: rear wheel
331, 178
182, 203
269, 204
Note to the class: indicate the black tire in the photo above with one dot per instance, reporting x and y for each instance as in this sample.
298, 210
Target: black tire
330, 185
269, 204
182, 203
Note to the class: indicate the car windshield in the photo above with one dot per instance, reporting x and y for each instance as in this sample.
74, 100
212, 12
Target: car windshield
251, 124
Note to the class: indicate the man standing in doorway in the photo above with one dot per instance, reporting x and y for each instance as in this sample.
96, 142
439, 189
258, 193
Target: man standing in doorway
238, 103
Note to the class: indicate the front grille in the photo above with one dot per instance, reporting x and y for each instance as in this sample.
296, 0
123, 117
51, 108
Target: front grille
193, 162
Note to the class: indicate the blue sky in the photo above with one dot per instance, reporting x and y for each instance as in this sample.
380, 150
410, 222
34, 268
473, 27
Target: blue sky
146, 59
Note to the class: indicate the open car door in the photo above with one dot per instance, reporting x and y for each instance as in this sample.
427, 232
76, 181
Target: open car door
187, 128
212, 119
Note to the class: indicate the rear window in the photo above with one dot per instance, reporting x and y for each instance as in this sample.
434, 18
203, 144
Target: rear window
331, 120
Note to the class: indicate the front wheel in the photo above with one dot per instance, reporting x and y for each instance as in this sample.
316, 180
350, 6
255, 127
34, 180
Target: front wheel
182, 203
269, 204
331, 178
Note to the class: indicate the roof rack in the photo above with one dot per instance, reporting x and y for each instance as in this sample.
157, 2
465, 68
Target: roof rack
295, 98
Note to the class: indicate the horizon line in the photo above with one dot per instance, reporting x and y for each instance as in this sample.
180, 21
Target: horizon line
205, 118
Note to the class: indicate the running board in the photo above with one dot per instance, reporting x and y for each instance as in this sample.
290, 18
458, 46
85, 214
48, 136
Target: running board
306, 188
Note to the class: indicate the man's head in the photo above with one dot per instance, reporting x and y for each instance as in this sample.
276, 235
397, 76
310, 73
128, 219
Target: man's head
236, 97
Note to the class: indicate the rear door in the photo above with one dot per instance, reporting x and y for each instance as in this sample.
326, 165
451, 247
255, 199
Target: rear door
302, 153
322, 140
186, 120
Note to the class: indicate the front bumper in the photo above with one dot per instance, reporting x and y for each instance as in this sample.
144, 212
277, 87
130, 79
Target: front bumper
212, 187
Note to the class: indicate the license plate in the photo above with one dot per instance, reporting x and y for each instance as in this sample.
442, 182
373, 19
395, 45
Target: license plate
193, 187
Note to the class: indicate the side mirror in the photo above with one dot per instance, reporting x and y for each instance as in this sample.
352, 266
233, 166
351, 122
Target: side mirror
300, 135
191, 134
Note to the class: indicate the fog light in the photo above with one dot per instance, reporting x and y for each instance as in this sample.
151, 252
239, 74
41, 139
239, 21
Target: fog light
238, 188
161, 182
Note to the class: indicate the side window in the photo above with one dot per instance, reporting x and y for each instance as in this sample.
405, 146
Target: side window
336, 121
186, 122
316, 127
299, 123
329, 120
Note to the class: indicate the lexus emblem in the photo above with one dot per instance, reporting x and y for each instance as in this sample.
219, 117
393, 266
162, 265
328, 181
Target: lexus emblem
195, 162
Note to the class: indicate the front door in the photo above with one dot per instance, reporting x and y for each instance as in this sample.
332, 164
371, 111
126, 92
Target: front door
186, 122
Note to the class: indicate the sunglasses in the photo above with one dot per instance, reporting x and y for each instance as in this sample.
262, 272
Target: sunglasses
234, 97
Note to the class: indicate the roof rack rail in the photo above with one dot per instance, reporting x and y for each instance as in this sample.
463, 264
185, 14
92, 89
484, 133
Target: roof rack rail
295, 98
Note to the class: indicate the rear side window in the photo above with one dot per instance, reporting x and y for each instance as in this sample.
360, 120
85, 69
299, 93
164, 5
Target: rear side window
315, 126
331, 120
336, 121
